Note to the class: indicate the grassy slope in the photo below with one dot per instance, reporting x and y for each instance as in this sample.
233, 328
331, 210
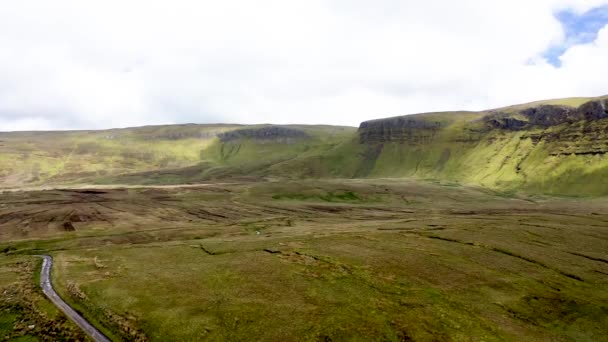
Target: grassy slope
502, 160
42, 158
569, 101
149, 155
248, 158
499, 159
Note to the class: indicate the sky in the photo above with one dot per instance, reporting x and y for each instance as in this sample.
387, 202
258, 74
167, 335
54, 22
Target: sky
74, 64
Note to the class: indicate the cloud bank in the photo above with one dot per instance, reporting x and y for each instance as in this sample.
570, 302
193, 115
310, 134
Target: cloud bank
76, 64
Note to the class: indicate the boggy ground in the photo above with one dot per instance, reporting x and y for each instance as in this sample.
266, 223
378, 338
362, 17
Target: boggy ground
318, 260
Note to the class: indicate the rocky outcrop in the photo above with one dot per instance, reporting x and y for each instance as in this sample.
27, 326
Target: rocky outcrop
548, 115
507, 123
177, 135
594, 110
271, 133
401, 129
564, 130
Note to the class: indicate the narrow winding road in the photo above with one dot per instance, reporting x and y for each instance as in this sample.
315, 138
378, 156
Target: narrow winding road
47, 288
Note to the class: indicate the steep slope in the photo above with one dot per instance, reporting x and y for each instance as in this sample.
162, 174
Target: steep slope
551, 147
541, 147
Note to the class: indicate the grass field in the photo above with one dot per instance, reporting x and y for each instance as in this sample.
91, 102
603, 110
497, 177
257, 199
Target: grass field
25, 314
314, 260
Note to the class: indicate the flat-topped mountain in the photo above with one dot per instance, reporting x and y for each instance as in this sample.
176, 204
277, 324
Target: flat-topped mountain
557, 146
550, 147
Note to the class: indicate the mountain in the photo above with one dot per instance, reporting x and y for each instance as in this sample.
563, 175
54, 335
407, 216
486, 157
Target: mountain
557, 147
554, 147
156, 154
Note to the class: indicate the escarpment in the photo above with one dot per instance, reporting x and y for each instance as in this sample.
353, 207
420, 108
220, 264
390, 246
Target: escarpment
569, 131
271, 133
547, 116
555, 146
565, 130
410, 130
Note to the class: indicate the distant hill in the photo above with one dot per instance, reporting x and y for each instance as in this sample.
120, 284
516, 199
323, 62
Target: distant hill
156, 154
548, 147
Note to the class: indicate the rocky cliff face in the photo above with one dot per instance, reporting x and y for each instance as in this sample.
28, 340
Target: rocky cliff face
264, 134
594, 110
409, 130
547, 116
579, 138
563, 130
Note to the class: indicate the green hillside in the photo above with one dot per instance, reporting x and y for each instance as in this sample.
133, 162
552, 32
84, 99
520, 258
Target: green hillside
552, 147
544, 147
154, 154
46, 158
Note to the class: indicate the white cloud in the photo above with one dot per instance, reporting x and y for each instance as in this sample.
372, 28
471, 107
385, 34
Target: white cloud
76, 64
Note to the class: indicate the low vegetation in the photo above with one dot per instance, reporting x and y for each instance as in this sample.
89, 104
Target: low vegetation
25, 314
320, 260
432, 227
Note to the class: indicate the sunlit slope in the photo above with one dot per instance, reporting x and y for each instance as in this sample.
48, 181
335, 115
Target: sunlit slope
42, 158
550, 147
253, 153
540, 147
160, 154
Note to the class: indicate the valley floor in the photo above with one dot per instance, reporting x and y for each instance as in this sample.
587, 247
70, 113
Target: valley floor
309, 260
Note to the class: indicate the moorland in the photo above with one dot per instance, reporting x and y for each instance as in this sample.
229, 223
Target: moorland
443, 226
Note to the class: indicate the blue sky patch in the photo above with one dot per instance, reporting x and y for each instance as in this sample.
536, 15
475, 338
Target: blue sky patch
579, 29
